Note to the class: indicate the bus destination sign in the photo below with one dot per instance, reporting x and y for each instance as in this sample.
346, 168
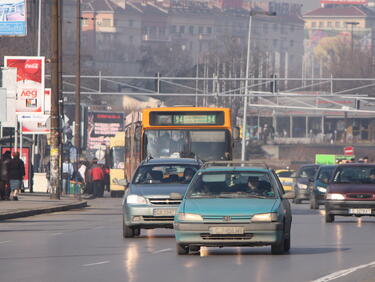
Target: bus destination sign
187, 118
194, 119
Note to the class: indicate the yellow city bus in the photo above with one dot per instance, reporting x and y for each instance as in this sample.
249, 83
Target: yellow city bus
173, 132
116, 162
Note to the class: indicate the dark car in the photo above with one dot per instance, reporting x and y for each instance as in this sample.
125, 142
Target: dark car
318, 188
304, 176
155, 192
351, 191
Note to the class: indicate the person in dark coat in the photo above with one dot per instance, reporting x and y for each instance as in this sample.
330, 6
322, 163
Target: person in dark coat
16, 172
4, 178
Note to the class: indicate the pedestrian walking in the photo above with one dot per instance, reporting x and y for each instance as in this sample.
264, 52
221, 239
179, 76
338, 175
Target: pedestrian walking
67, 174
3, 178
97, 177
6, 157
16, 172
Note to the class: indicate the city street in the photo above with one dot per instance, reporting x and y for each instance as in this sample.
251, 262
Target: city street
87, 245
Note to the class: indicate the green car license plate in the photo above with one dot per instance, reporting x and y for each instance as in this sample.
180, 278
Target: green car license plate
360, 211
164, 212
226, 230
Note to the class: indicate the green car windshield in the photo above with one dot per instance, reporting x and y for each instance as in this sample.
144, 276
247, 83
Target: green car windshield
232, 184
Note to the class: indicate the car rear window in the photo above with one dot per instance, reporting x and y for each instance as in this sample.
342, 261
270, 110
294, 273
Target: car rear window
355, 175
165, 174
307, 172
232, 184
285, 174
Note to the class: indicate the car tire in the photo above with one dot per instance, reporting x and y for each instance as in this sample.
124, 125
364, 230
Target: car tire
194, 249
127, 231
329, 217
313, 203
137, 231
182, 249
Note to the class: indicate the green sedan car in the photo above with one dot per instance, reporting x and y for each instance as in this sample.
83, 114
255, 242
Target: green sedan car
234, 206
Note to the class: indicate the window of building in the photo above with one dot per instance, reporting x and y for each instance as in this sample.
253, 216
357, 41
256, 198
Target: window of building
275, 43
200, 30
337, 24
209, 30
329, 24
291, 29
131, 23
161, 31
282, 29
173, 29
313, 24
131, 39
321, 24
291, 43
106, 22
275, 27
182, 29
191, 30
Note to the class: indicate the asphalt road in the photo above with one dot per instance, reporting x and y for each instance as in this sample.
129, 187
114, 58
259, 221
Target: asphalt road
87, 245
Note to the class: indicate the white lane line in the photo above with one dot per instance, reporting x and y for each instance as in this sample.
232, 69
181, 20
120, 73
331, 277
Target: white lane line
162, 251
344, 272
4, 242
96, 263
56, 234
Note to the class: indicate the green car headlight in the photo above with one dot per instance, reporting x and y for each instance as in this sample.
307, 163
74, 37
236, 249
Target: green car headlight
189, 217
136, 200
264, 217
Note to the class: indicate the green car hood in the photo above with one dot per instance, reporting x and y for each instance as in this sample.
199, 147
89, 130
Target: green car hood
230, 207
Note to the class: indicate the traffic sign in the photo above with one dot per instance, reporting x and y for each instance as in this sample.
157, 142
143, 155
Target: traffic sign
349, 151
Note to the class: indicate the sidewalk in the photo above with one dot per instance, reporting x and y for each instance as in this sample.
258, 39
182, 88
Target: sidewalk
37, 203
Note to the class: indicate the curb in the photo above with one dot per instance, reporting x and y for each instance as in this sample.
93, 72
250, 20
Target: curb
26, 213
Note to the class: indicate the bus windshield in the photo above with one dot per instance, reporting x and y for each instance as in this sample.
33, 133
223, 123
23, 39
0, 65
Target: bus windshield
117, 157
205, 144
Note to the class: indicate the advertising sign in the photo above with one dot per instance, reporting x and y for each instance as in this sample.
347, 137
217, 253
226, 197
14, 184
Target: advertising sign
34, 124
3, 104
29, 82
47, 101
9, 82
348, 2
101, 126
13, 16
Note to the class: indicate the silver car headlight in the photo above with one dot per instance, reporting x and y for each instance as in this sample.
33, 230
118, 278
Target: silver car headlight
189, 217
321, 189
136, 200
264, 217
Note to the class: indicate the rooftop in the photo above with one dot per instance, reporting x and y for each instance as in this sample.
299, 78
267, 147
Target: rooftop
350, 11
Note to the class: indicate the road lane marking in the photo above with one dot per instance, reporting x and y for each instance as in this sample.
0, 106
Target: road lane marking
344, 272
4, 242
162, 251
96, 263
56, 234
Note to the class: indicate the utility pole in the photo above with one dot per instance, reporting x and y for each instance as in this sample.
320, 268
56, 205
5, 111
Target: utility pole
55, 130
77, 127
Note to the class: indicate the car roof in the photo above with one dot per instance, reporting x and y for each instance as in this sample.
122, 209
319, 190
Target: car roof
284, 170
167, 161
309, 165
356, 165
233, 168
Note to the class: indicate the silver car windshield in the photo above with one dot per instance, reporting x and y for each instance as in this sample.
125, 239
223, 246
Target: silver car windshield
232, 185
165, 174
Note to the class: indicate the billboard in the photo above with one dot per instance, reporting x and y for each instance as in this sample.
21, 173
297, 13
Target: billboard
348, 2
101, 126
13, 18
47, 101
9, 83
34, 124
29, 83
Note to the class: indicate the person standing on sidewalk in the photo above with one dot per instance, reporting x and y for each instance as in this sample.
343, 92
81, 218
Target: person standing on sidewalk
7, 156
3, 179
67, 175
16, 172
97, 177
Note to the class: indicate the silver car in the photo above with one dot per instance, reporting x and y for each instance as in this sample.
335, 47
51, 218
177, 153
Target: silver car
155, 192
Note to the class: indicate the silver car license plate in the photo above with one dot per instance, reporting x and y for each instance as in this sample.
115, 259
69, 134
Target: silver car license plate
226, 230
164, 212
360, 211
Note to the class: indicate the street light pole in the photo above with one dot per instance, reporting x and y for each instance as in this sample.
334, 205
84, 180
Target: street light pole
244, 122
